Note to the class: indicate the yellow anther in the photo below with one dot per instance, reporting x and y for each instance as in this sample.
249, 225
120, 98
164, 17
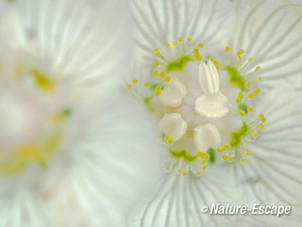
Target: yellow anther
135, 81
261, 126
250, 59
206, 156
240, 96
179, 171
168, 140
200, 45
189, 39
196, 51
147, 84
129, 86
250, 96
263, 120
248, 152
238, 101
157, 54
158, 88
258, 68
185, 174
197, 57
211, 58
156, 50
224, 157
201, 154
255, 135
217, 63
167, 80
155, 72
225, 147
198, 173
257, 91
162, 74
174, 42
157, 93
240, 52
156, 63
250, 109
219, 150
179, 39
230, 159
203, 162
242, 160
227, 49
241, 113
204, 168
167, 45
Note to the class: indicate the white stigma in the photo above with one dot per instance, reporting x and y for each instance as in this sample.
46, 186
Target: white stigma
173, 93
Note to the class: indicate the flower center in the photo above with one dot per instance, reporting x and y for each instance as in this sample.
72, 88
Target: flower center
32, 120
204, 105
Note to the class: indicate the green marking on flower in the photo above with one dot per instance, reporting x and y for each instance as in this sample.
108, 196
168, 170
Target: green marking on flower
147, 102
238, 135
212, 154
253, 181
66, 112
183, 154
179, 63
236, 79
243, 107
42, 81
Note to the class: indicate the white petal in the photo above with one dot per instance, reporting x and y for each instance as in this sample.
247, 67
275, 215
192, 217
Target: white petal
206, 136
173, 93
213, 107
159, 22
176, 198
209, 79
173, 125
275, 43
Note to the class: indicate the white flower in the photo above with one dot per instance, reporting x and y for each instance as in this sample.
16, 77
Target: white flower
68, 157
221, 93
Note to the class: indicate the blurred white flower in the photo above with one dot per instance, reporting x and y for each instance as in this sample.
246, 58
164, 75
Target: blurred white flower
218, 85
69, 151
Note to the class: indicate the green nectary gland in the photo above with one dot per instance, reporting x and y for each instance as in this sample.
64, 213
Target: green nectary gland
243, 107
212, 154
183, 154
179, 63
147, 102
236, 79
238, 135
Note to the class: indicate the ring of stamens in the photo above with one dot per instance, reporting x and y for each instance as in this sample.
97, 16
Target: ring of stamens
174, 57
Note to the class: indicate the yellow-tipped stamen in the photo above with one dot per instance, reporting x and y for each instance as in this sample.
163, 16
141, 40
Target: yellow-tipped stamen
227, 49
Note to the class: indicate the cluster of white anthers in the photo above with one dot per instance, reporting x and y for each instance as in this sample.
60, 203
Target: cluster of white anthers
202, 112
